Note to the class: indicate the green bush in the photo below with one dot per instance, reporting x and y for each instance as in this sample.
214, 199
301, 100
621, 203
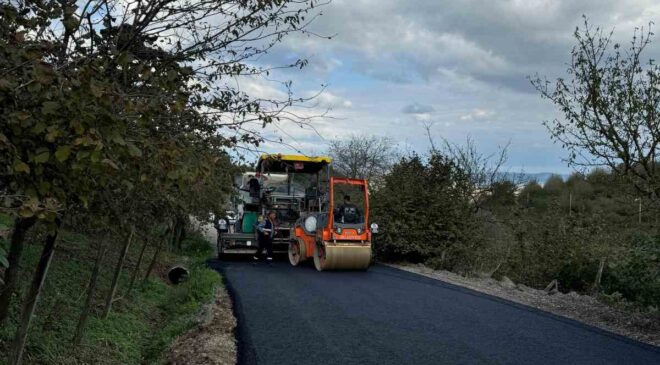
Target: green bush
195, 244
637, 275
424, 213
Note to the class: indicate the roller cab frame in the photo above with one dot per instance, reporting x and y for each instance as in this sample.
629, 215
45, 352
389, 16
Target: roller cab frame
333, 245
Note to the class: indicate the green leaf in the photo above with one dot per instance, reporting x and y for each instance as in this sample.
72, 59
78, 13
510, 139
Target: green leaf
85, 200
124, 59
39, 128
62, 153
49, 108
42, 157
96, 88
20, 166
22, 115
25, 212
95, 156
52, 134
44, 187
81, 155
3, 261
134, 151
110, 163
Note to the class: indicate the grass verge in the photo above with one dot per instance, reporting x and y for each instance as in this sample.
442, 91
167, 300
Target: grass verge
140, 326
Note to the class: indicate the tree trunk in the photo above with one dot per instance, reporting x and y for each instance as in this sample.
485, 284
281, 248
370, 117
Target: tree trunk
91, 289
153, 262
137, 267
115, 278
182, 231
179, 232
599, 274
21, 226
32, 297
176, 242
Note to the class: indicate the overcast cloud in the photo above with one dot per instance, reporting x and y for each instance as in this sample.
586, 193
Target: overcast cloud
459, 64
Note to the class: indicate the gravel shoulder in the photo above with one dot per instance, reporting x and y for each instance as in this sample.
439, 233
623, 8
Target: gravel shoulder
644, 327
212, 341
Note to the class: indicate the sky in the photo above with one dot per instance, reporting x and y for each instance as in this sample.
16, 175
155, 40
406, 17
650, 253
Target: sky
460, 65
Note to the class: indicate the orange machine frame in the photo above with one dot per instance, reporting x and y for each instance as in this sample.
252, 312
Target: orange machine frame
328, 233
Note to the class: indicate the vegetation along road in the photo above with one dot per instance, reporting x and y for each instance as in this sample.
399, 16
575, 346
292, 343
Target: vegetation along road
387, 316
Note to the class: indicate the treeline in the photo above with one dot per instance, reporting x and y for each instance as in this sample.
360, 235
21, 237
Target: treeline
117, 119
587, 232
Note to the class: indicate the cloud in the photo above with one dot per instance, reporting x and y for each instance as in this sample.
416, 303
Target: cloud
416, 108
464, 63
260, 87
477, 113
328, 100
499, 42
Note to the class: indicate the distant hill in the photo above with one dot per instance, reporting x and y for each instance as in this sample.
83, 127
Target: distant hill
540, 177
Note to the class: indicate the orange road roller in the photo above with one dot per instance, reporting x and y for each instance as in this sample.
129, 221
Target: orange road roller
338, 237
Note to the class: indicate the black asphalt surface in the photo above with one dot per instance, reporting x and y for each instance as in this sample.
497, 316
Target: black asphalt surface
289, 315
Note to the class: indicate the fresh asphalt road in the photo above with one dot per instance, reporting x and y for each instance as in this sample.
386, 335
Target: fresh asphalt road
296, 315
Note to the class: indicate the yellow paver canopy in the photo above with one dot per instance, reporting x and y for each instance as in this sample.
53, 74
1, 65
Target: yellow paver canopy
279, 163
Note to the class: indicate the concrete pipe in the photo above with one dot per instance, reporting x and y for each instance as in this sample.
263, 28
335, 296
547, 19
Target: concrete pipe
177, 274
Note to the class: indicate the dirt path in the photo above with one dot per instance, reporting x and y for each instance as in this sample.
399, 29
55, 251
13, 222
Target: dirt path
212, 341
643, 327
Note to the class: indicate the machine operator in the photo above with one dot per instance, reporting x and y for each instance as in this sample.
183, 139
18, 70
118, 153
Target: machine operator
347, 212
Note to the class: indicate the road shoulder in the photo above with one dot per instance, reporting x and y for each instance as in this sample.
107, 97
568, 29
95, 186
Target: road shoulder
212, 340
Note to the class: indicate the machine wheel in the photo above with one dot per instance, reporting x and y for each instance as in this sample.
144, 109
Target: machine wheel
319, 256
297, 252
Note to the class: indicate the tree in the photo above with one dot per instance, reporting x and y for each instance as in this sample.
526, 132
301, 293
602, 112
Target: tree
363, 157
483, 171
91, 92
554, 185
611, 107
441, 230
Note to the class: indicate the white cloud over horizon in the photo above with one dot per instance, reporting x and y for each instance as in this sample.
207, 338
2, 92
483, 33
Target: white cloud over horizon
392, 66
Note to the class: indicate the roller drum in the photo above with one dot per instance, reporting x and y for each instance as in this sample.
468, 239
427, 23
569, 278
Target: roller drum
297, 252
342, 256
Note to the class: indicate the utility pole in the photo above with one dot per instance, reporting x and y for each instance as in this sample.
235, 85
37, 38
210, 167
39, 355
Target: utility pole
639, 219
